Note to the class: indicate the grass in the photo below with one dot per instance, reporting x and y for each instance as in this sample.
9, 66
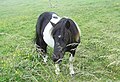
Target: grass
97, 58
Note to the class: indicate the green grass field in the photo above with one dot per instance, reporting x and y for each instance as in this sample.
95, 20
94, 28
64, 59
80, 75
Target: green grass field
97, 58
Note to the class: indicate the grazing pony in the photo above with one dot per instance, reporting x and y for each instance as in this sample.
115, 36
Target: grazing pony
62, 34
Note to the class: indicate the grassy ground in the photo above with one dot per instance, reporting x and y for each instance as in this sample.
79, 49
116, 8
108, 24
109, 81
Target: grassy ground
97, 58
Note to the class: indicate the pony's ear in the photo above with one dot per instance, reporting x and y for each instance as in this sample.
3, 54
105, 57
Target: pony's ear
67, 24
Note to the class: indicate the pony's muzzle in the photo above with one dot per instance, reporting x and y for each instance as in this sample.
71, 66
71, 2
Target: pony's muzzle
57, 58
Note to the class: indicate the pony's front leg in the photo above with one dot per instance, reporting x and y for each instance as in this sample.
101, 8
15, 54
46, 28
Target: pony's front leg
45, 58
57, 69
57, 60
71, 59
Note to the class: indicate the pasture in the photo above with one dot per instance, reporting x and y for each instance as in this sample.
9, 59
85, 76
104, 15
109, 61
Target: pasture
97, 58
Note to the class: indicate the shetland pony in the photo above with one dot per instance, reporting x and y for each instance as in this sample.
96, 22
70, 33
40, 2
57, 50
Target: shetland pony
62, 34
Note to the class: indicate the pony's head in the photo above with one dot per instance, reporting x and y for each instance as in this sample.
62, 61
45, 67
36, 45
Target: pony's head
62, 35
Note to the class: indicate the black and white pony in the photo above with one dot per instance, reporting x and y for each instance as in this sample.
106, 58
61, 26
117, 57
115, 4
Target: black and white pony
62, 34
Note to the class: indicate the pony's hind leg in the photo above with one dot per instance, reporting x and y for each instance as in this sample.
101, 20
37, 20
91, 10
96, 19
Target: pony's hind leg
42, 53
41, 48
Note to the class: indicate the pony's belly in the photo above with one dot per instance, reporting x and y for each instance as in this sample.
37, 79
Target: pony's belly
47, 35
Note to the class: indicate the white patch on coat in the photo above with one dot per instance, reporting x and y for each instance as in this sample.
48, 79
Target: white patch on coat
71, 65
55, 18
59, 36
47, 36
